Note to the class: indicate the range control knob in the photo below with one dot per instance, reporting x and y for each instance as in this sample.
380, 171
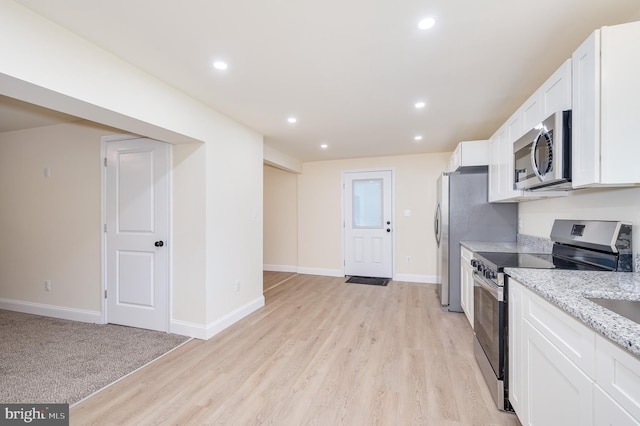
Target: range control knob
491, 274
474, 263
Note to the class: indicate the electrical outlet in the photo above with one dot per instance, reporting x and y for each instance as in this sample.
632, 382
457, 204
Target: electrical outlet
238, 285
47, 285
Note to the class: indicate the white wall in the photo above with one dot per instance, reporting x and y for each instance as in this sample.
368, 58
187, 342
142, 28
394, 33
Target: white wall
280, 220
320, 213
591, 204
51, 226
219, 184
234, 230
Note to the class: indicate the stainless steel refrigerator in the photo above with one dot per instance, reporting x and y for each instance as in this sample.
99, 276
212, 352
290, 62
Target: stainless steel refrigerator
463, 213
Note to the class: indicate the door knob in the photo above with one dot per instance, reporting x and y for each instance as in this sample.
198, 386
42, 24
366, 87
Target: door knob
159, 243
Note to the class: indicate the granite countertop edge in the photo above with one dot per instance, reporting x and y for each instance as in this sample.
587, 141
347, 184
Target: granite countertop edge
569, 291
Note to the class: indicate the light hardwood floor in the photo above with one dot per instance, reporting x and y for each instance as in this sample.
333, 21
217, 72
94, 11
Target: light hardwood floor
271, 279
320, 352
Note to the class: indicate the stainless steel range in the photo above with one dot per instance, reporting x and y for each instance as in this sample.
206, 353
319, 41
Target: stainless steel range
578, 245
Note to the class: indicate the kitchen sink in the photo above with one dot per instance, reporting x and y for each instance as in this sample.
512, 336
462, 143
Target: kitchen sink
627, 308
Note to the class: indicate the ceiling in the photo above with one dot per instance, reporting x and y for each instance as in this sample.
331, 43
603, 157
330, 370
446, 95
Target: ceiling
349, 71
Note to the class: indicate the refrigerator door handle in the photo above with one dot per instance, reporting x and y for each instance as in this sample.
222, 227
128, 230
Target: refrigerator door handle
437, 221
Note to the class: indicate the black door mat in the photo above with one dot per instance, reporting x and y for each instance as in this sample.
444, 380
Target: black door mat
368, 280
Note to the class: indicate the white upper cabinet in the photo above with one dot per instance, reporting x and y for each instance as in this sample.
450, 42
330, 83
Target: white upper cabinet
530, 113
499, 181
606, 110
555, 93
469, 153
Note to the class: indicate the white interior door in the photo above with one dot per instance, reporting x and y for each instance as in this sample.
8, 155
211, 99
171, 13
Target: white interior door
368, 224
137, 221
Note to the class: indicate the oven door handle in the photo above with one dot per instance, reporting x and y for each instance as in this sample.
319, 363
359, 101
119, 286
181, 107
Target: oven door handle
496, 291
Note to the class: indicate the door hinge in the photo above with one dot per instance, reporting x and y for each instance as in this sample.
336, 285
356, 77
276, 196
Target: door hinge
105, 228
105, 294
105, 161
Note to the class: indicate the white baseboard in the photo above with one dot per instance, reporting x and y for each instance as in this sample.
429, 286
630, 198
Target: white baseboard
319, 271
203, 332
279, 268
52, 311
189, 329
426, 279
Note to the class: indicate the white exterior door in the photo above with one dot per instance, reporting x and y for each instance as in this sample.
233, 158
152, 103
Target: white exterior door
137, 227
368, 224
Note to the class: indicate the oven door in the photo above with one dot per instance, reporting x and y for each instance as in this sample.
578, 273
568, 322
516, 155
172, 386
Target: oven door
489, 321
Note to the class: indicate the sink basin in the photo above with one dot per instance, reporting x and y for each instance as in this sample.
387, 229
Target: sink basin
627, 308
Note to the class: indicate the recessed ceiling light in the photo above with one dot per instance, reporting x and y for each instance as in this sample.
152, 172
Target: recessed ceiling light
426, 23
324, 146
292, 120
417, 138
420, 105
219, 65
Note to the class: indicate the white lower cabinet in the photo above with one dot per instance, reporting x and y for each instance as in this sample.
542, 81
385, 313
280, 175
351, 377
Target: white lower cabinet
618, 375
516, 349
561, 372
556, 390
608, 412
466, 283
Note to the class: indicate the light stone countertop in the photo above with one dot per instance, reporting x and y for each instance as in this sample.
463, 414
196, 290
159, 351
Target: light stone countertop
569, 291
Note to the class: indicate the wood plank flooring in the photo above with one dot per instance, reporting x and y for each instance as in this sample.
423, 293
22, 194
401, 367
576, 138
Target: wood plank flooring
321, 352
271, 279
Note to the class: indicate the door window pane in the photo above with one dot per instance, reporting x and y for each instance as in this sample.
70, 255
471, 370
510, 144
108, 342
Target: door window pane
367, 203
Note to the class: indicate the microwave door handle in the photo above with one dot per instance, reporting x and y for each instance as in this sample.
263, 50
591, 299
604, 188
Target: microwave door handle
534, 148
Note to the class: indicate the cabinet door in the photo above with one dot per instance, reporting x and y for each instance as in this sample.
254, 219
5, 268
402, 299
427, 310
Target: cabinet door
607, 412
516, 351
466, 282
619, 106
514, 127
571, 337
585, 145
618, 374
531, 112
555, 93
557, 391
494, 169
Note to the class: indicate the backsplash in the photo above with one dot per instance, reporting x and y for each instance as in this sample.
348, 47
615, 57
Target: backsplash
535, 244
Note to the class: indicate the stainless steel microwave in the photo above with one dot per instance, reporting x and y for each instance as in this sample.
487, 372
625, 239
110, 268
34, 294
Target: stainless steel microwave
542, 157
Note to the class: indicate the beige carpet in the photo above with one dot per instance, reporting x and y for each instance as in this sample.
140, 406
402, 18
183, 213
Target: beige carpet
48, 360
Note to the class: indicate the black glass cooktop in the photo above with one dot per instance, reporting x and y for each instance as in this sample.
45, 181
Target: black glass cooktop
517, 260
573, 260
